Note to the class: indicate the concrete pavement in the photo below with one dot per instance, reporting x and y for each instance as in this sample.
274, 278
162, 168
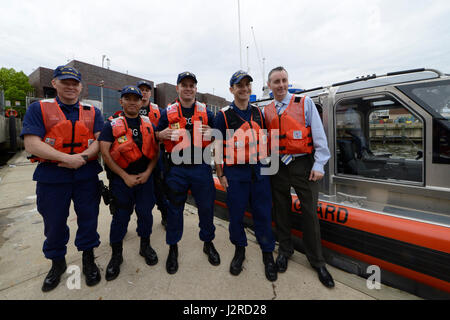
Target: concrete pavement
23, 266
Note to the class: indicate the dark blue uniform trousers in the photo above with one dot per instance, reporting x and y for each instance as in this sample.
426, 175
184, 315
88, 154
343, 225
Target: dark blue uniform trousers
161, 199
258, 193
53, 203
179, 180
142, 197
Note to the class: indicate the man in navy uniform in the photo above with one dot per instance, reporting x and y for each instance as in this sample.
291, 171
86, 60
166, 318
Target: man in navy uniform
241, 173
62, 134
182, 127
130, 152
152, 111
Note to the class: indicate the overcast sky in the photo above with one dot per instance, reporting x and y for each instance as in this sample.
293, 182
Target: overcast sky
319, 42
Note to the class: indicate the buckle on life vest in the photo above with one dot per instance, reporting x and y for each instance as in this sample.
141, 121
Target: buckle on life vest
66, 145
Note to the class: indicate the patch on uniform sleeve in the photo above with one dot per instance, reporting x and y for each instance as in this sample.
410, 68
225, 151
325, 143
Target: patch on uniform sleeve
297, 135
50, 141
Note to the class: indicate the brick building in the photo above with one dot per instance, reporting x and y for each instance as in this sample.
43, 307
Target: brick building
92, 78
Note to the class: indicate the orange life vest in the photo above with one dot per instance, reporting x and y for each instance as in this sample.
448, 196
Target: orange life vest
177, 121
62, 134
153, 113
124, 150
294, 137
248, 142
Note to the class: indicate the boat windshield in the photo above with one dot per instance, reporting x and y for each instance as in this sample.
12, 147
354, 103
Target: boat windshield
433, 96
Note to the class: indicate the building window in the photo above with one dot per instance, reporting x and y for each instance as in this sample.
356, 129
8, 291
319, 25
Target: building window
110, 99
378, 138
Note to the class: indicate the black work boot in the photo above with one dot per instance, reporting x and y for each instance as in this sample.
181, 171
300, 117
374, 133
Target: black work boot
213, 255
113, 268
90, 269
54, 275
172, 259
270, 266
238, 259
147, 252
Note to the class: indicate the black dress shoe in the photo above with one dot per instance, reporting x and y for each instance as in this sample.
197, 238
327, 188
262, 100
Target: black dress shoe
282, 262
325, 277
113, 268
53, 277
238, 259
172, 259
213, 255
270, 266
90, 269
147, 252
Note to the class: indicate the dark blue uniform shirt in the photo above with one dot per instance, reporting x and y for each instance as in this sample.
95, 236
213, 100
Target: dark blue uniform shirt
187, 113
46, 172
238, 172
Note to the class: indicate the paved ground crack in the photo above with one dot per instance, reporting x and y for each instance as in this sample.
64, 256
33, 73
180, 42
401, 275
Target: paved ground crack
274, 291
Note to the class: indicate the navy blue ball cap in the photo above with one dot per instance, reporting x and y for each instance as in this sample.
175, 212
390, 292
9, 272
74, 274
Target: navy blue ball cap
186, 74
66, 72
143, 83
238, 76
132, 90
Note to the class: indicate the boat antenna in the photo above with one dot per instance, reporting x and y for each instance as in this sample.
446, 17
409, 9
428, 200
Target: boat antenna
261, 62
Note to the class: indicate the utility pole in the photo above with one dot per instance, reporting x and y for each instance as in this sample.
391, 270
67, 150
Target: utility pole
239, 24
248, 67
102, 83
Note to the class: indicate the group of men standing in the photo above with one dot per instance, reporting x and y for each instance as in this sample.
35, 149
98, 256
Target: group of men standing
138, 146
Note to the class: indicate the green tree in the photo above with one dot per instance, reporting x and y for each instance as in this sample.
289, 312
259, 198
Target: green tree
14, 94
15, 85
